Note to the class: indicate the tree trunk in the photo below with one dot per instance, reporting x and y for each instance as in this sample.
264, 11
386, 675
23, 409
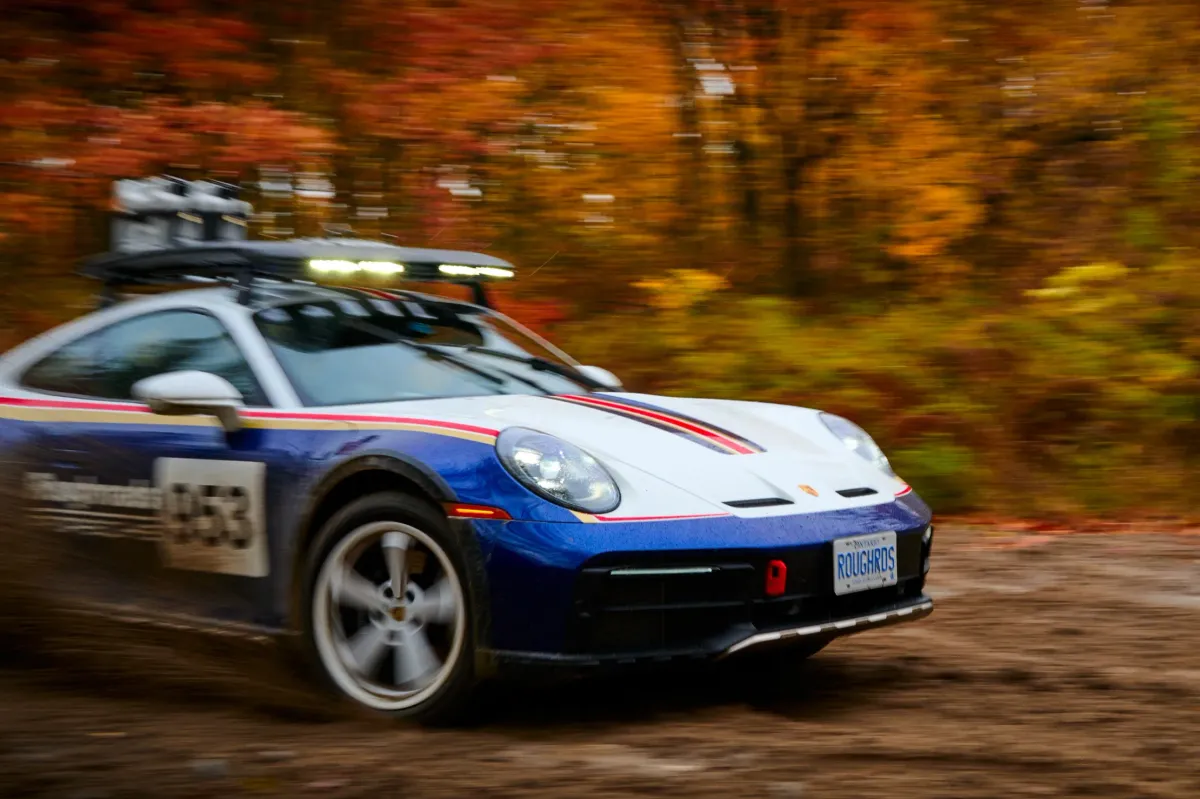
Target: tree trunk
686, 229
798, 277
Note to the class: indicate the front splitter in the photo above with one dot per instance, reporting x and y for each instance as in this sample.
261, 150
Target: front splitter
833, 629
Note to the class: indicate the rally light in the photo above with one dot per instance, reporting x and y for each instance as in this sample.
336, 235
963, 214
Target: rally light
458, 270
381, 267
338, 267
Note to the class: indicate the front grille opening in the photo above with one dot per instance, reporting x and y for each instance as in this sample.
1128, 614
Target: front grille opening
765, 502
660, 607
857, 492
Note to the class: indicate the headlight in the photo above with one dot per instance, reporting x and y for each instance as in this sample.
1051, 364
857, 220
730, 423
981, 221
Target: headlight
558, 471
857, 441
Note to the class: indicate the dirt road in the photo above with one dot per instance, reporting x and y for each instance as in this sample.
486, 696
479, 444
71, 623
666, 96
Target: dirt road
1065, 665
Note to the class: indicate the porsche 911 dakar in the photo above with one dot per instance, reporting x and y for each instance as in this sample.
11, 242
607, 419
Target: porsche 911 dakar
419, 491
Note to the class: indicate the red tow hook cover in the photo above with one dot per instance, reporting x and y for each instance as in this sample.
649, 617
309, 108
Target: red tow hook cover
776, 578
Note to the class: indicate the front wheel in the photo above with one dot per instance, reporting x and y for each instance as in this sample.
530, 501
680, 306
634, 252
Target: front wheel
389, 619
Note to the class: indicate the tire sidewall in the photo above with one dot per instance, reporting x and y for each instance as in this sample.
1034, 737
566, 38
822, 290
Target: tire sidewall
447, 704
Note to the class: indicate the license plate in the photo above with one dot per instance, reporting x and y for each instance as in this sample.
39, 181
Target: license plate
864, 562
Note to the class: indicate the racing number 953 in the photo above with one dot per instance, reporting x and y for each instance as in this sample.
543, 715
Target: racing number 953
216, 515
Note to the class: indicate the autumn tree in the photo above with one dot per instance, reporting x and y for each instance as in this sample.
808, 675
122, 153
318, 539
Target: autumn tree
97, 91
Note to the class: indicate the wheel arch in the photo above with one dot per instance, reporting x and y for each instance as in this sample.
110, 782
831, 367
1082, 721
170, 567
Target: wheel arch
367, 474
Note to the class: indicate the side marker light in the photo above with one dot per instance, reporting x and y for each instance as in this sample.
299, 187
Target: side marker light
461, 511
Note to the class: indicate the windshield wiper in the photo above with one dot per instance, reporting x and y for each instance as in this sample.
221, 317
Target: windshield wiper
519, 378
429, 350
542, 365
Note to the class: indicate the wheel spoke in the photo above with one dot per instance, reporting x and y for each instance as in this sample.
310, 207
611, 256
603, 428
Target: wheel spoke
395, 551
367, 647
351, 588
437, 605
415, 658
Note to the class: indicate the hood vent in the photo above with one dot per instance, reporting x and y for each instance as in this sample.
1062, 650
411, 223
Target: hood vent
765, 502
857, 492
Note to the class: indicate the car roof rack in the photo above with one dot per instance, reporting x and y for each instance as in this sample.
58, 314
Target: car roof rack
303, 260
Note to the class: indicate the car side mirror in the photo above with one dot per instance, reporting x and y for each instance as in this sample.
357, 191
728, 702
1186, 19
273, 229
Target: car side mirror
601, 375
192, 393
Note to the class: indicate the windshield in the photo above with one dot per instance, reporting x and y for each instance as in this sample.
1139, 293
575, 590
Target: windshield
353, 350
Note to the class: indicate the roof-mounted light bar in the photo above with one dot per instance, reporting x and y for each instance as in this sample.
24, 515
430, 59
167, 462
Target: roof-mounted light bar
339, 267
305, 260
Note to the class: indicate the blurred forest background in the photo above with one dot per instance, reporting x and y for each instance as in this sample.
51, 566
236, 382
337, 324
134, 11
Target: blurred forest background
968, 225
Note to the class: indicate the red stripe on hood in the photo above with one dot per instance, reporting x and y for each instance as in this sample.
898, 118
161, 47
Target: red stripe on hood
662, 417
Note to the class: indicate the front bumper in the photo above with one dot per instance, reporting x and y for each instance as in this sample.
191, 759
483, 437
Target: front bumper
628, 608
551, 588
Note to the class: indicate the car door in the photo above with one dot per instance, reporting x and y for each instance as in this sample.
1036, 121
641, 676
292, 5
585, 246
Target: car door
167, 513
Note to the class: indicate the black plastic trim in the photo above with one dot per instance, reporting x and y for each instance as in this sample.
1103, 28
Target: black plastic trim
764, 502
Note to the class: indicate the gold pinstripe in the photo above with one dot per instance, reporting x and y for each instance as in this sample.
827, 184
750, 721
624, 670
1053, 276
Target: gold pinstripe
28, 413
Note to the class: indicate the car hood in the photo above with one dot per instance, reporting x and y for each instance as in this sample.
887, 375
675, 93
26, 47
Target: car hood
673, 456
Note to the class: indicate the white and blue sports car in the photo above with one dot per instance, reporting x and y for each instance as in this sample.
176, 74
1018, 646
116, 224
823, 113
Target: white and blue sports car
419, 491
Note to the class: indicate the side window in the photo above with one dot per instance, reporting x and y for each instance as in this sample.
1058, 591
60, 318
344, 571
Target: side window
74, 369
172, 341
